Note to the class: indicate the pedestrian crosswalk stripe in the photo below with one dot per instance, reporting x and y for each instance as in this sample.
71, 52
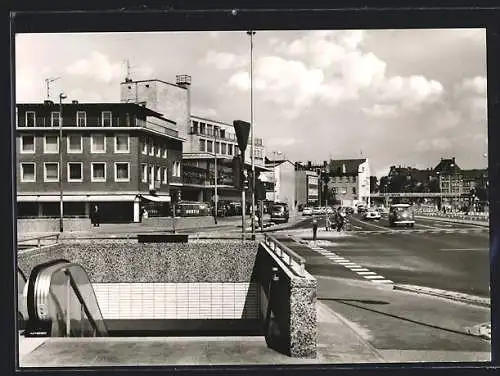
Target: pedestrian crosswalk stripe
367, 273
373, 277
360, 270
382, 281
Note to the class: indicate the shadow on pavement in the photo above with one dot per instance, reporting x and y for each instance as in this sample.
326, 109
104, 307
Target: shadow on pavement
349, 303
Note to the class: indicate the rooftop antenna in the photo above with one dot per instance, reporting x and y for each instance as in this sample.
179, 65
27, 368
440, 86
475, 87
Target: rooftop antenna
48, 81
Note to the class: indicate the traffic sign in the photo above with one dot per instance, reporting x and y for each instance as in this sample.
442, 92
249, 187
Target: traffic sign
242, 129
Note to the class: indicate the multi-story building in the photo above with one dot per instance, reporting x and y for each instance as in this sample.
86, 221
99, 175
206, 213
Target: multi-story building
306, 186
350, 180
283, 176
450, 179
116, 155
205, 139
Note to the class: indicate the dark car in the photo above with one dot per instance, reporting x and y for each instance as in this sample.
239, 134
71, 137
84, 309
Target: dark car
401, 214
279, 212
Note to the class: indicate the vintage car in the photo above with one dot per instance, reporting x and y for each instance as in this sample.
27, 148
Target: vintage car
401, 214
279, 212
371, 214
307, 211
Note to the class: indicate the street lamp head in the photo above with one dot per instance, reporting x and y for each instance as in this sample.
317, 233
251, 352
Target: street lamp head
62, 96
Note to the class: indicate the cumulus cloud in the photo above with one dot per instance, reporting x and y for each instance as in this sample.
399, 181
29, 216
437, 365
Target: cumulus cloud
476, 85
381, 111
97, 66
224, 60
440, 144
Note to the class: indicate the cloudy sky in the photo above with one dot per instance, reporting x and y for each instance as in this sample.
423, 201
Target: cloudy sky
404, 97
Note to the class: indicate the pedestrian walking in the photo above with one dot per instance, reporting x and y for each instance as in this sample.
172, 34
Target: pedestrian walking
141, 213
315, 228
96, 216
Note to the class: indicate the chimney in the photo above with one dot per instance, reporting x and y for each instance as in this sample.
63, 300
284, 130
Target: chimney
309, 164
325, 163
453, 159
47, 102
74, 101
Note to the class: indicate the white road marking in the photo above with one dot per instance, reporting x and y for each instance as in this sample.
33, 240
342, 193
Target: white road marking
373, 277
382, 281
360, 270
376, 226
358, 227
366, 273
464, 249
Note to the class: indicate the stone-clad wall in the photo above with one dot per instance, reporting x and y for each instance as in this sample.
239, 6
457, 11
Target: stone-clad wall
196, 261
291, 325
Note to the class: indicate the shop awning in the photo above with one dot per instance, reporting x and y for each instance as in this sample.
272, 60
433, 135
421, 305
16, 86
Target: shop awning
76, 198
156, 198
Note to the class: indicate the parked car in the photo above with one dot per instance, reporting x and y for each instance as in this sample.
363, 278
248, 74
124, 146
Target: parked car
401, 214
279, 212
383, 211
371, 214
307, 211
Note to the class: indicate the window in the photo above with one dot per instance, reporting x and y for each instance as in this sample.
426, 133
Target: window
353, 190
165, 175
51, 171
223, 150
217, 147
30, 118
158, 174
122, 143
81, 119
165, 153
75, 143
144, 146
55, 118
152, 148
144, 172
230, 149
176, 169
202, 128
27, 144
98, 171
158, 151
210, 145
98, 143
28, 172
202, 145
122, 171
151, 174
51, 144
106, 119
75, 171
344, 190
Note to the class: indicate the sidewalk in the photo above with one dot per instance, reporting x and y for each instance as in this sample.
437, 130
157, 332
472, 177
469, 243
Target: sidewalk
455, 219
395, 331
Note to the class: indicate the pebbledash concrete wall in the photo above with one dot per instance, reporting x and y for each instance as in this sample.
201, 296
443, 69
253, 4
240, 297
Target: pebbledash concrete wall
31, 225
207, 280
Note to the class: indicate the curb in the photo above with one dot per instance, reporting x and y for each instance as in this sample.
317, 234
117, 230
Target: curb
455, 296
453, 220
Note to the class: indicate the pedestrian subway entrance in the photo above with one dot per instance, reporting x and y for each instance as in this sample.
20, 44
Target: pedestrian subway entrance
132, 289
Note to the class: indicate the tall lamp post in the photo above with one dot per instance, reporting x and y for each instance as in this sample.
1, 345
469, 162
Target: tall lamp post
216, 129
251, 33
61, 227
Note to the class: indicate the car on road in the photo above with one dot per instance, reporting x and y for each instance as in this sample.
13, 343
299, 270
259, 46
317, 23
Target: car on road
383, 211
328, 210
316, 210
401, 214
279, 212
371, 214
307, 211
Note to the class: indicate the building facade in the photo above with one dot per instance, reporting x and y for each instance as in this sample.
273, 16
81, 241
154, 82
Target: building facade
283, 176
206, 140
113, 155
306, 186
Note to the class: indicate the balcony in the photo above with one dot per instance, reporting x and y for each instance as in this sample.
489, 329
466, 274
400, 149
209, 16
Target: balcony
227, 136
46, 122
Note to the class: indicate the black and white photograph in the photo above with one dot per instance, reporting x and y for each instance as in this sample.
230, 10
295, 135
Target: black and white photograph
252, 197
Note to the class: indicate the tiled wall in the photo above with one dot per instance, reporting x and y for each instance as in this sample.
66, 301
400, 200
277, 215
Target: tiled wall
178, 300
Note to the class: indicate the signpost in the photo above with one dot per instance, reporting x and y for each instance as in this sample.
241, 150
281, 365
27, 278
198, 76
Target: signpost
242, 130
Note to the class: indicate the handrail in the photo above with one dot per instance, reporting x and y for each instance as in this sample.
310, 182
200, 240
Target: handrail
39, 240
79, 296
280, 249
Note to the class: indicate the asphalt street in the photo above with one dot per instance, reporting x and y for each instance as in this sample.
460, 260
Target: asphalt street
446, 256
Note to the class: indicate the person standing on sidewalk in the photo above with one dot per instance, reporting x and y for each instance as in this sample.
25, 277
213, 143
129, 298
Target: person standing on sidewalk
315, 227
95, 216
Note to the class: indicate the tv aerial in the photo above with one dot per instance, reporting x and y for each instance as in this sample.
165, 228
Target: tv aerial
48, 81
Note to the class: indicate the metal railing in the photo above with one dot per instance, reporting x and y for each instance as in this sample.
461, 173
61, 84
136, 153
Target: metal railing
294, 261
38, 241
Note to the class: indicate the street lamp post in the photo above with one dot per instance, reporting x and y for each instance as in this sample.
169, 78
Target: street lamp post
61, 206
251, 33
215, 171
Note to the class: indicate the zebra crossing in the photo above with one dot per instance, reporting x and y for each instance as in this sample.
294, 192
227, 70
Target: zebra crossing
355, 268
423, 231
